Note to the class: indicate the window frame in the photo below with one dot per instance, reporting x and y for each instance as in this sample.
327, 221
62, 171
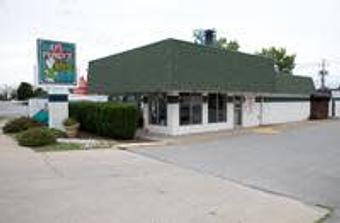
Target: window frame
160, 102
217, 108
191, 102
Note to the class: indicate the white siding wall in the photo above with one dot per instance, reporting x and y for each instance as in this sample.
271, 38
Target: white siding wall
264, 113
330, 107
173, 117
336, 98
251, 112
337, 108
254, 114
281, 112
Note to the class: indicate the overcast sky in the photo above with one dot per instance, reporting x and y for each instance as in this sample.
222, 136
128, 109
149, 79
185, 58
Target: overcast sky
309, 28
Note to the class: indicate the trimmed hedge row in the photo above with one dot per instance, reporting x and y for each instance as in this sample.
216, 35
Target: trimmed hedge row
113, 120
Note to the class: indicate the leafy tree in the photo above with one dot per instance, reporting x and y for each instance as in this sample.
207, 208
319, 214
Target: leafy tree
283, 61
13, 94
199, 36
6, 92
3, 96
232, 45
39, 92
25, 91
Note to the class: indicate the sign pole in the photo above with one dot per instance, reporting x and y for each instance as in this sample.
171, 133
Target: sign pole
57, 107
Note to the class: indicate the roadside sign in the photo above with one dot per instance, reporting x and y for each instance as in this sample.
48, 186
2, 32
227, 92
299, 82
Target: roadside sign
56, 63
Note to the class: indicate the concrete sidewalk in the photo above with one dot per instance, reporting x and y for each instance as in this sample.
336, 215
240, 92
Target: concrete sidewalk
119, 186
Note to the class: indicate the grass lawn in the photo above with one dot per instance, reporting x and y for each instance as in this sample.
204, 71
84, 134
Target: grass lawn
58, 147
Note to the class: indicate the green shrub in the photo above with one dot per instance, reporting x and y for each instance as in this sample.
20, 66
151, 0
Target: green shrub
19, 125
70, 122
35, 137
117, 121
58, 133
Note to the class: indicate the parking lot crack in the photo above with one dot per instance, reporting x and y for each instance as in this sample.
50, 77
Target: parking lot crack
49, 164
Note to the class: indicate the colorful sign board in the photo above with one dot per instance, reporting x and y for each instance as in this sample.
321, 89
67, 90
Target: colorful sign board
56, 63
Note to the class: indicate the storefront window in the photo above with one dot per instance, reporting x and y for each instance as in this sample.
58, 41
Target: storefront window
217, 108
158, 109
190, 108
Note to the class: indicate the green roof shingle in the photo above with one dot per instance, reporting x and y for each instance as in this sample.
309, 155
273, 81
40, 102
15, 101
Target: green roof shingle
173, 65
292, 84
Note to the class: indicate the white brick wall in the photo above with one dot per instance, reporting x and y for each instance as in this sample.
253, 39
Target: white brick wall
264, 113
281, 112
251, 112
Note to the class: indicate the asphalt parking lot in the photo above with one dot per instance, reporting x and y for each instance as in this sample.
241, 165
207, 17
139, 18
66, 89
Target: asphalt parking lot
299, 161
109, 185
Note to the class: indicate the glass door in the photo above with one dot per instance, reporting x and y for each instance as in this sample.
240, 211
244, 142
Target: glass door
237, 111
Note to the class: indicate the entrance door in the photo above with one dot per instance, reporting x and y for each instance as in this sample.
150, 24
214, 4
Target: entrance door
237, 111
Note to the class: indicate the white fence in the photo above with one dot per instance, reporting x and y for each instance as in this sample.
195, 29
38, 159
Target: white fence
13, 109
37, 104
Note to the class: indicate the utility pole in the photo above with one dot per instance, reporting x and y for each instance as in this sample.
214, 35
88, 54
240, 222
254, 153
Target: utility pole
323, 72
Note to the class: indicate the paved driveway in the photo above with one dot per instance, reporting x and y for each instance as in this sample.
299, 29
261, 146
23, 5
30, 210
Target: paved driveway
119, 186
300, 161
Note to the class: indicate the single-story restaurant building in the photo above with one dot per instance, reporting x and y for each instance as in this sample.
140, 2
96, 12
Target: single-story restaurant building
191, 88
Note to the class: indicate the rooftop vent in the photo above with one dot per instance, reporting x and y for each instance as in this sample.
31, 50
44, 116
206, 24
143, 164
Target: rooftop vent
209, 37
205, 37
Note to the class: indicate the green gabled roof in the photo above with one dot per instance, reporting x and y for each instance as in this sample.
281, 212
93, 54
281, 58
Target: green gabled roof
173, 65
204, 68
292, 84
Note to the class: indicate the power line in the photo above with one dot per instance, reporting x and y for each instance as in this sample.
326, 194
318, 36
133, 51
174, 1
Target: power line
323, 73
